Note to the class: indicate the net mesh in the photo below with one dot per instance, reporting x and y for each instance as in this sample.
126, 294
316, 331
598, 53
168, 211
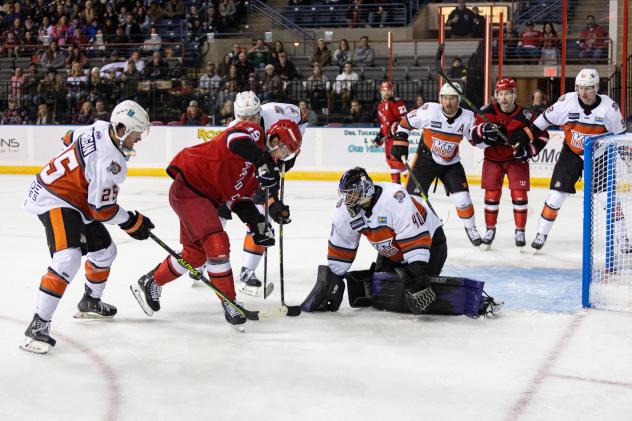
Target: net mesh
610, 210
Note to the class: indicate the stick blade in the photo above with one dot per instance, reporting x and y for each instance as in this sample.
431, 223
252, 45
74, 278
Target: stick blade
293, 311
268, 290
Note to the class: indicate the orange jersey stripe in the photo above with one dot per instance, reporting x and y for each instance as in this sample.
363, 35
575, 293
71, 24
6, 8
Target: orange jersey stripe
340, 253
96, 274
383, 240
251, 247
59, 229
53, 284
422, 241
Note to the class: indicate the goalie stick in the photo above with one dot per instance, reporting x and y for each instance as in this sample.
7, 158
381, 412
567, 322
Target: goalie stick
266, 314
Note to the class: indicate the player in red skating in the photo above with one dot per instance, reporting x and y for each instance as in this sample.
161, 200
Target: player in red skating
502, 159
390, 111
228, 169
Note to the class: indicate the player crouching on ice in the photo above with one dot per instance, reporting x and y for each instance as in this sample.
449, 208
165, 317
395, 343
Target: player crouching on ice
73, 196
411, 250
228, 169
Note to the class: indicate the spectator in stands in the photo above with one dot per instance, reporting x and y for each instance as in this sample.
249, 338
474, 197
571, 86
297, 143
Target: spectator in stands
285, 68
109, 13
322, 55
259, 54
478, 23
13, 114
76, 56
213, 21
228, 92
115, 57
457, 70
510, 41
278, 49
58, 31
132, 30
224, 66
109, 28
182, 93
88, 13
100, 113
49, 89
344, 85
539, 102
227, 11
30, 45
244, 69
29, 89
44, 116
234, 53
142, 18
120, 37
550, 45
155, 11
193, 116
357, 115
312, 117
529, 44
157, 68
53, 57
85, 116
91, 30
129, 82
355, 14
10, 46
460, 20
271, 85
175, 9
76, 85
78, 38
363, 55
593, 42
139, 63
225, 114
17, 85
209, 81
378, 16
419, 101
316, 87
153, 43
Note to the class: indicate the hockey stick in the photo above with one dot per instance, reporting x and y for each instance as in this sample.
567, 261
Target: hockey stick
422, 193
266, 210
292, 310
266, 314
465, 99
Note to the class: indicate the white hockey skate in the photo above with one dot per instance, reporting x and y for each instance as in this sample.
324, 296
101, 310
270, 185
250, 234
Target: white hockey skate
488, 238
473, 236
37, 339
520, 239
251, 284
538, 243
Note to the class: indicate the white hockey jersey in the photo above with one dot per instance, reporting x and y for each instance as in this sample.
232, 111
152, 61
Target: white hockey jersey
568, 113
439, 134
84, 177
272, 112
400, 227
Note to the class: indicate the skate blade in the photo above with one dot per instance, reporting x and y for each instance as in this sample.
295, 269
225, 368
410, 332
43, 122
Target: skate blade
249, 290
91, 315
520, 249
239, 328
486, 247
138, 294
268, 290
36, 347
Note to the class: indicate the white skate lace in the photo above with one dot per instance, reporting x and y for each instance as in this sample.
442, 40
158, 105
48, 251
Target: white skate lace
232, 311
246, 274
519, 236
539, 239
41, 326
489, 235
154, 290
472, 233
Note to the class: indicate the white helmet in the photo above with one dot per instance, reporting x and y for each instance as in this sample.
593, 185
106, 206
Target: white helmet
246, 104
587, 77
448, 90
132, 116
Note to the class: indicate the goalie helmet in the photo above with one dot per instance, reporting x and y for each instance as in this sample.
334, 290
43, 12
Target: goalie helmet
289, 138
587, 77
133, 117
448, 90
355, 189
247, 104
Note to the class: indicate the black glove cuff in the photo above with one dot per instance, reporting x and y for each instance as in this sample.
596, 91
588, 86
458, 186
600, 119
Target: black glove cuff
130, 222
247, 212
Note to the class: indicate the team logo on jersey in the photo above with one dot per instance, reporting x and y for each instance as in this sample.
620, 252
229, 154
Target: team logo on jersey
460, 129
278, 110
598, 119
573, 116
435, 124
445, 150
356, 223
577, 139
381, 220
399, 196
131, 113
114, 168
385, 248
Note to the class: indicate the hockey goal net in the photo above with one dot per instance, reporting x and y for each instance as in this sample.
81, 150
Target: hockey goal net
607, 255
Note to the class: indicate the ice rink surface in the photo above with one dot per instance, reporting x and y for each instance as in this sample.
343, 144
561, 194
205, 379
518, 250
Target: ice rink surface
544, 358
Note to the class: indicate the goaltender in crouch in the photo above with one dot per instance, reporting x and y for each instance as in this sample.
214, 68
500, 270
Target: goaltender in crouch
411, 247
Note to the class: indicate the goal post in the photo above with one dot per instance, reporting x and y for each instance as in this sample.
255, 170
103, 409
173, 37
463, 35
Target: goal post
607, 222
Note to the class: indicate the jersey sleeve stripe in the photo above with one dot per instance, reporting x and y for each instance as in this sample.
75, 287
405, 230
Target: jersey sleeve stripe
422, 241
237, 135
104, 214
405, 123
341, 254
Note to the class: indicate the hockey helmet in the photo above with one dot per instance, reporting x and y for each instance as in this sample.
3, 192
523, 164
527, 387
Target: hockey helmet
506, 84
355, 189
386, 89
448, 90
133, 118
288, 137
587, 77
247, 104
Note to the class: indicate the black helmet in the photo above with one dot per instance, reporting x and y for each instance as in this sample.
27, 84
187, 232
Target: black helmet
355, 189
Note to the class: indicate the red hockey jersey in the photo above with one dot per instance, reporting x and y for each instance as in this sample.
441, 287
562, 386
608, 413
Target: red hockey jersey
390, 111
516, 120
213, 171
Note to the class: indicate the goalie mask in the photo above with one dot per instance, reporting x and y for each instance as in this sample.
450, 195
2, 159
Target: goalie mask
131, 116
356, 189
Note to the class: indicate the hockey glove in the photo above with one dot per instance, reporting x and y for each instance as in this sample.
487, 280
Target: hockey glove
137, 226
486, 133
262, 232
378, 140
400, 146
267, 171
524, 152
522, 137
280, 212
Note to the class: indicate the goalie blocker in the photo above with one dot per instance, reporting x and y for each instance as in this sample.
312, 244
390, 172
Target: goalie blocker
398, 292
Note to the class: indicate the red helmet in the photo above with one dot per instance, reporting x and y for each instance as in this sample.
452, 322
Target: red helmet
506, 84
386, 85
288, 133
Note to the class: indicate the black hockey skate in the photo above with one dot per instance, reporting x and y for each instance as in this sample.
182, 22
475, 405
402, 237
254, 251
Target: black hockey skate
539, 241
234, 317
147, 293
474, 236
489, 236
37, 339
93, 308
520, 239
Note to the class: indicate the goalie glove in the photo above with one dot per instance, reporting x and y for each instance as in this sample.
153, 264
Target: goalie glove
524, 152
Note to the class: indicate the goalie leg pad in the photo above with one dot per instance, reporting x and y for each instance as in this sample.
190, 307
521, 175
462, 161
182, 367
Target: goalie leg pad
387, 292
327, 294
359, 287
